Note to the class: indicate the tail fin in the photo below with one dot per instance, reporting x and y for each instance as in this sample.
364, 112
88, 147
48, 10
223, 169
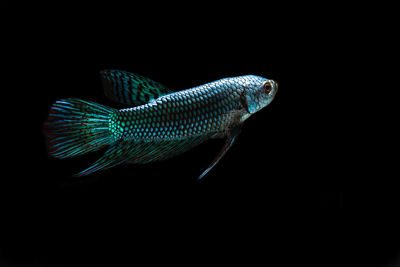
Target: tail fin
75, 127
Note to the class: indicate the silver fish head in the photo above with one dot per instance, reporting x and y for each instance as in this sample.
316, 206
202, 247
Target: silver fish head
258, 92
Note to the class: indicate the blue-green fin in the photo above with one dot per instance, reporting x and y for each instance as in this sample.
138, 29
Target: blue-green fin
141, 152
166, 149
129, 88
75, 127
116, 154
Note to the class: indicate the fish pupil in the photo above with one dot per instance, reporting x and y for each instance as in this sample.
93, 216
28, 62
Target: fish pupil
267, 87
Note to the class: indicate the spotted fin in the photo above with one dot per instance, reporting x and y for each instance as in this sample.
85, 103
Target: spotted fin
141, 152
131, 89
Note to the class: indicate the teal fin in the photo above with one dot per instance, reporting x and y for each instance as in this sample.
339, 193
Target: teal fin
131, 89
75, 127
116, 154
228, 144
157, 151
141, 152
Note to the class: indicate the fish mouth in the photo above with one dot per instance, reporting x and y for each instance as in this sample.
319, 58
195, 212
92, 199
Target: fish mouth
275, 87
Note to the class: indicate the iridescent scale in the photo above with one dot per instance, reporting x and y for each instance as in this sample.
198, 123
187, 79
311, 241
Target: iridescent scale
197, 111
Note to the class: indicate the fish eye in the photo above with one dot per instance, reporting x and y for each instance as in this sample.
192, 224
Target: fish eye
267, 87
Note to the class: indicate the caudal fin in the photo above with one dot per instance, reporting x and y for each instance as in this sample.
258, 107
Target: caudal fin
75, 127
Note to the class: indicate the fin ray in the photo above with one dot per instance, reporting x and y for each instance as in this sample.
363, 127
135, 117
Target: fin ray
76, 127
116, 154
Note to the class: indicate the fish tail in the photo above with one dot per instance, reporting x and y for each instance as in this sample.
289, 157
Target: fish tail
75, 127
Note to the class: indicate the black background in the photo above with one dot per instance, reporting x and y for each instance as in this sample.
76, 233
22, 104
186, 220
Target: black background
308, 181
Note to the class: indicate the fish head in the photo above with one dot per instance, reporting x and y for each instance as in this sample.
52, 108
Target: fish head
258, 92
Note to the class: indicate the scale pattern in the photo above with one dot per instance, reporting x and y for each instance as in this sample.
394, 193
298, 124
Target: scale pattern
201, 110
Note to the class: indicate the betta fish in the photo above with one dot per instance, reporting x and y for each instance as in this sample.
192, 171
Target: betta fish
159, 123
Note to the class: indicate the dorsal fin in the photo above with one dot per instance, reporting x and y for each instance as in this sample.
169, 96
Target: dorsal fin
129, 88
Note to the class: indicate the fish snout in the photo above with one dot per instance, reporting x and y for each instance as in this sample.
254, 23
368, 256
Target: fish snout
275, 87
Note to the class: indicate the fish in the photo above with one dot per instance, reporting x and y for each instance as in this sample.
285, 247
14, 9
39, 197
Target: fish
158, 123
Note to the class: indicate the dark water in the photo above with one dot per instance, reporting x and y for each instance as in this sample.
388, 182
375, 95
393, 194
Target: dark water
305, 184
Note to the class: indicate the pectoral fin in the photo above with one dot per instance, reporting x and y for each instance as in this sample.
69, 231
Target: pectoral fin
243, 101
229, 142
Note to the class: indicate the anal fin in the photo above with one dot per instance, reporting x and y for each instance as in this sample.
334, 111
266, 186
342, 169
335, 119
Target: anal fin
116, 154
162, 150
131, 151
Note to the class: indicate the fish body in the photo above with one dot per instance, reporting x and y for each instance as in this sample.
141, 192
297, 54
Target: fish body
159, 123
